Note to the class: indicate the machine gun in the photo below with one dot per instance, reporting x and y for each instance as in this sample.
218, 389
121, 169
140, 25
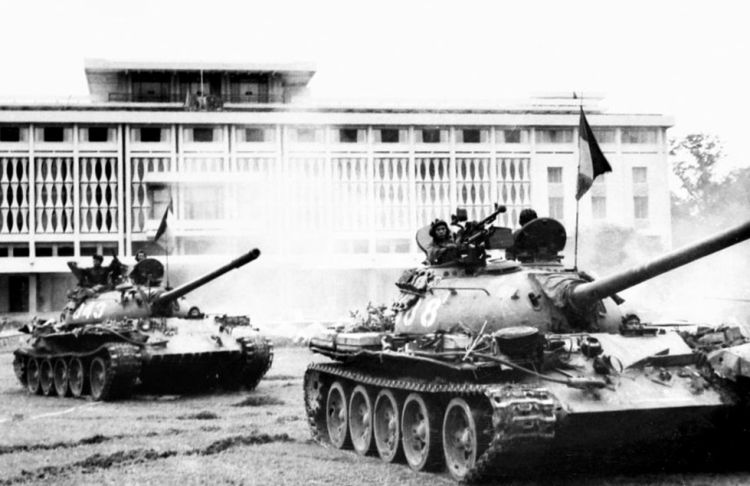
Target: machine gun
474, 232
475, 237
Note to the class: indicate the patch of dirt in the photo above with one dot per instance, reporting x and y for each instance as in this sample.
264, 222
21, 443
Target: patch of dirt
94, 439
204, 415
282, 378
258, 401
287, 418
137, 456
92, 463
240, 440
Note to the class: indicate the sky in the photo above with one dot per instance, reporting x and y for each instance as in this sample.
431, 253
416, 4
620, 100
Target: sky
686, 59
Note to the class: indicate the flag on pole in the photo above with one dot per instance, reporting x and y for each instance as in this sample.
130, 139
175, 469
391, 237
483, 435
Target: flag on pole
164, 221
592, 161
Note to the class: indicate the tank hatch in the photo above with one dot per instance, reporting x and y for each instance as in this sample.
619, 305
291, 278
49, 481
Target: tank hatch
149, 272
540, 240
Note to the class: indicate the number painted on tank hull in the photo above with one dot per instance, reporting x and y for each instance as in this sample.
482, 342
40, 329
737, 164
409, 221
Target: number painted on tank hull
90, 310
424, 313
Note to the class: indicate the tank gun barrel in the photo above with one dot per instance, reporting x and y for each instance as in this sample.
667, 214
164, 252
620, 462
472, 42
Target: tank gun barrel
586, 293
183, 289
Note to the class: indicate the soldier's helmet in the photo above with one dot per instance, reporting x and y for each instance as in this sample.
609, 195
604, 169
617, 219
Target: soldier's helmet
526, 215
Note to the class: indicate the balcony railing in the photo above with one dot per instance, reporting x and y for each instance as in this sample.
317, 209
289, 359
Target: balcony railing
194, 101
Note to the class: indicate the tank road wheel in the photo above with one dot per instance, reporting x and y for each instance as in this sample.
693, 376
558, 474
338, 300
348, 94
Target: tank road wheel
337, 420
100, 379
463, 437
420, 428
19, 367
46, 377
32, 376
386, 427
76, 377
60, 374
360, 420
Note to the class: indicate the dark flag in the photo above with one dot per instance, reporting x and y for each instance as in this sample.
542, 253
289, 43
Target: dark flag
163, 225
592, 161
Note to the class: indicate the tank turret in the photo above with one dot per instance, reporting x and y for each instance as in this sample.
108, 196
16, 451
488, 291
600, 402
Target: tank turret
144, 296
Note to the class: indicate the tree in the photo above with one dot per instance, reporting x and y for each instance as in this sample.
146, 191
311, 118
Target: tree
696, 157
707, 202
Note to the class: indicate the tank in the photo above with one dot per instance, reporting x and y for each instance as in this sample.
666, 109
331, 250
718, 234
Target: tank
500, 366
140, 333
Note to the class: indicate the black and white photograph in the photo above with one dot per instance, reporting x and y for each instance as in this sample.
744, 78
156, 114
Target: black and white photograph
411, 242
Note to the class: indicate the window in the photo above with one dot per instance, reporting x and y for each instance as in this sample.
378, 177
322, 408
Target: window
640, 207
511, 135
54, 134
150, 134
470, 135
10, 134
604, 135
98, 134
556, 208
599, 207
159, 197
308, 135
640, 175
554, 175
388, 135
255, 135
203, 134
432, 135
555, 135
351, 135
203, 202
639, 135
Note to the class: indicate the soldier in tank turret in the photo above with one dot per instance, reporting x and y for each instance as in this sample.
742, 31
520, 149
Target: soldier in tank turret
527, 215
444, 249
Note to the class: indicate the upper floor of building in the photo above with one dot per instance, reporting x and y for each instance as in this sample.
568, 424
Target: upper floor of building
197, 86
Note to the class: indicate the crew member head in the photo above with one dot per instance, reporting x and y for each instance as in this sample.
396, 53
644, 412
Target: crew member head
98, 259
140, 255
440, 231
526, 215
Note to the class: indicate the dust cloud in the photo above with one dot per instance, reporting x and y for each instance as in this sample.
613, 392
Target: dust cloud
295, 282
712, 290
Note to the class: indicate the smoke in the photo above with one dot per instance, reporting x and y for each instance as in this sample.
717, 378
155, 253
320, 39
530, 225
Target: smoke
712, 290
298, 225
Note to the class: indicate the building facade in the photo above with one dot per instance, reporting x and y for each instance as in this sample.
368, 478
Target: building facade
318, 187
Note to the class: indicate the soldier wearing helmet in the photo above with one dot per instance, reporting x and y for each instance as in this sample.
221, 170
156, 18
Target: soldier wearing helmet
444, 248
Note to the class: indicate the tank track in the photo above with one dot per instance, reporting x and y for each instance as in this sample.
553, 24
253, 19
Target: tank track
123, 365
258, 357
522, 416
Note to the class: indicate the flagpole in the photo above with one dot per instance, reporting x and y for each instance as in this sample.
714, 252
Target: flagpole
575, 244
166, 257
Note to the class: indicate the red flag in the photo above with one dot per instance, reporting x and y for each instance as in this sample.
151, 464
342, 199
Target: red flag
592, 161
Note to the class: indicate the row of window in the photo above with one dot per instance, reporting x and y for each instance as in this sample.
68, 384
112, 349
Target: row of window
352, 135
599, 207
555, 175
598, 202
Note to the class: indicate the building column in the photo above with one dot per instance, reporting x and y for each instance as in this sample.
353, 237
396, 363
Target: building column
32, 293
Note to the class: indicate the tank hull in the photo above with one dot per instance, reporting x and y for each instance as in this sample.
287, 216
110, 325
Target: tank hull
660, 414
164, 356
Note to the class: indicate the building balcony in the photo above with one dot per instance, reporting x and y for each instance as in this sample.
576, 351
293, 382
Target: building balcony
194, 101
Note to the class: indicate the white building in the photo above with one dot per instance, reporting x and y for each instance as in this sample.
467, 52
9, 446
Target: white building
322, 189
